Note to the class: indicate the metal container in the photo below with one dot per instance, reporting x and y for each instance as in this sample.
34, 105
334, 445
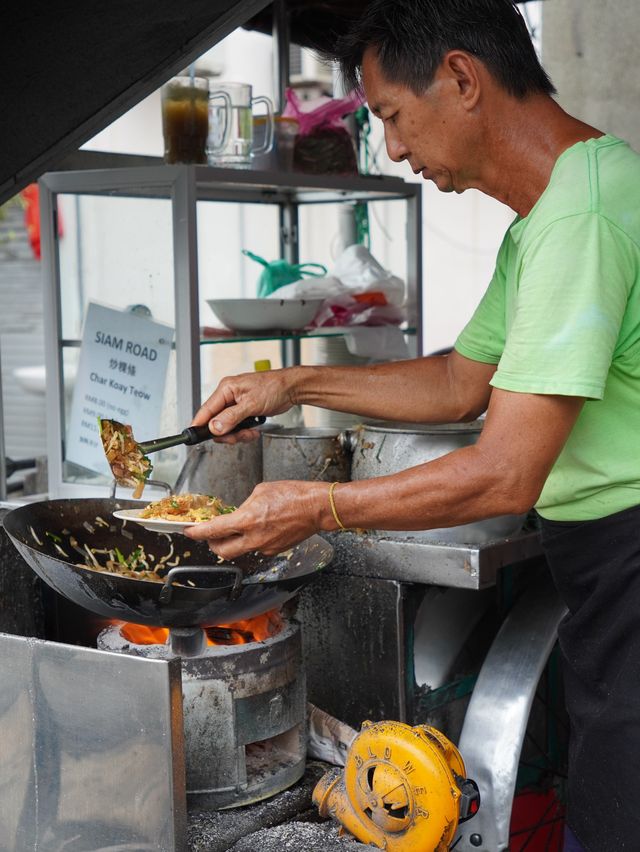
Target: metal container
230, 471
305, 453
380, 449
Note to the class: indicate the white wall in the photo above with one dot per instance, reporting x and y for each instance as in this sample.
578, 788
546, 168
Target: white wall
591, 52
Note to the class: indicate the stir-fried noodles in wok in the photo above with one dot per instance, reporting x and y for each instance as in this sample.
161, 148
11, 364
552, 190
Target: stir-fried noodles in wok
132, 560
139, 564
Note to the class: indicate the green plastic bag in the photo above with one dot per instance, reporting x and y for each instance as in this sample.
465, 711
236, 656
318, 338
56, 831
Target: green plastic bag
277, 273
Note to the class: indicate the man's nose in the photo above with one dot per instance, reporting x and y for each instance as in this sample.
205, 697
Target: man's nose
396, 149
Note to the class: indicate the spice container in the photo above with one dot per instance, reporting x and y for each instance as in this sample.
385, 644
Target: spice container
325, 150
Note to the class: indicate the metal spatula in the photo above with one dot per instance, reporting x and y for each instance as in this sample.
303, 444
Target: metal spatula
128, 458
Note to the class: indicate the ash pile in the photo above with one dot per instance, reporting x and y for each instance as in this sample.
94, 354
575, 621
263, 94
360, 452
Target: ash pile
288, 822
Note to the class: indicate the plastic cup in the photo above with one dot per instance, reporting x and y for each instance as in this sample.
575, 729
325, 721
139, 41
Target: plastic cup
231, 125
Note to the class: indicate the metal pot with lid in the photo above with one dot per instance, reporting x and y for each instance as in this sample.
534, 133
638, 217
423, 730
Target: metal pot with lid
383, 448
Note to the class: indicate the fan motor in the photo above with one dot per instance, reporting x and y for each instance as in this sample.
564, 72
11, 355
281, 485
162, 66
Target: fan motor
402, 789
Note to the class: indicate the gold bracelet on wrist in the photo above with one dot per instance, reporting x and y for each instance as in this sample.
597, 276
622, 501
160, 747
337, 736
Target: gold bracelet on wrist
334, 511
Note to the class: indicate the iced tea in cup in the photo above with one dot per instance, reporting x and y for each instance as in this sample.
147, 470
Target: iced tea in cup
185, 119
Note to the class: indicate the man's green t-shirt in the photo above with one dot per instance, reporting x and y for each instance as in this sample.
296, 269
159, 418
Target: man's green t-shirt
562, 316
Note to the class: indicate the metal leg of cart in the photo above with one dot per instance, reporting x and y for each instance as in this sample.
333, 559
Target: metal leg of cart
497, 716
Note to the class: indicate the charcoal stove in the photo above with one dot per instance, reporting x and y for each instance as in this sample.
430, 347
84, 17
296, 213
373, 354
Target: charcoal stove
115, 746
244, 705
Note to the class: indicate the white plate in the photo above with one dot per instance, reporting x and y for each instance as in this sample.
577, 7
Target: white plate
153, 524
265, 314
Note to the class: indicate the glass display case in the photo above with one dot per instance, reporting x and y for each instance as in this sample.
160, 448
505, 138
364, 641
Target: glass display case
156, 241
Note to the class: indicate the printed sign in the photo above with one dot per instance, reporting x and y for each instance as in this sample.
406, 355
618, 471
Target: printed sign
121, 376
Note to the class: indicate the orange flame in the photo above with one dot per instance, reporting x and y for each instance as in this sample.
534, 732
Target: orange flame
251, 630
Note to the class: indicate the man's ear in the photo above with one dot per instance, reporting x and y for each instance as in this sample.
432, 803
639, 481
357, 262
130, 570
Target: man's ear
462, 68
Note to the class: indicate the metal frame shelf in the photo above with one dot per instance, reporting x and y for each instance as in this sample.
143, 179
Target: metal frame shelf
184, 186
217, 184
214, 340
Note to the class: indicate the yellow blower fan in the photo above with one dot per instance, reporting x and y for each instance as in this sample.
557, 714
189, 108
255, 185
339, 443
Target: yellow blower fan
402, 789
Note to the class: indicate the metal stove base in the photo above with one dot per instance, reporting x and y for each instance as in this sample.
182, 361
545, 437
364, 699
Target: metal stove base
230, 799
244, 713
92, 750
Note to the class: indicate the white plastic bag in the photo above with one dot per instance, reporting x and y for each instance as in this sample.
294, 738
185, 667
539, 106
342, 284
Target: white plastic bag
328, 738
310, 288
359, 291
360, 272
385, 342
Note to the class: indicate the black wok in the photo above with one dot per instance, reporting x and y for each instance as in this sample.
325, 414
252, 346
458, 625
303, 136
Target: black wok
220, 594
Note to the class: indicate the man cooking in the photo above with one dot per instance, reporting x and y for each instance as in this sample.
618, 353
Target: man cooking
552, 354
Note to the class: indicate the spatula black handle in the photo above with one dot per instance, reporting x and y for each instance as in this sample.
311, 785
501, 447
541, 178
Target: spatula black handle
197, 434
194, 435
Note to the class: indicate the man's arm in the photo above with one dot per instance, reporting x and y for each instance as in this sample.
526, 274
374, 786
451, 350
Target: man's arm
436, 389
502, 474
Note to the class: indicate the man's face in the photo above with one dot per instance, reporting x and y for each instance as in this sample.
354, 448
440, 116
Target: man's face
426, 130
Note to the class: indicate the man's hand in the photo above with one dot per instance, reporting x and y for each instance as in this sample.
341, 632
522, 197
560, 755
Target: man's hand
248, 394
275, 516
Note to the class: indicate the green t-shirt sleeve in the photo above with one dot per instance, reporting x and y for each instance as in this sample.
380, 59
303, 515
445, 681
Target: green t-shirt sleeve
573, 284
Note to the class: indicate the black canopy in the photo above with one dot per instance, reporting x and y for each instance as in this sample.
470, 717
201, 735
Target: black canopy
71, 68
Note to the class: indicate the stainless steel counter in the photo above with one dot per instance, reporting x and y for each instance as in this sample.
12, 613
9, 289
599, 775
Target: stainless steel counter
463, 566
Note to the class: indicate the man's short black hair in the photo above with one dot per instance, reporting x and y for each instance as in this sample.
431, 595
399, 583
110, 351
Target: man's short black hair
411, 37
